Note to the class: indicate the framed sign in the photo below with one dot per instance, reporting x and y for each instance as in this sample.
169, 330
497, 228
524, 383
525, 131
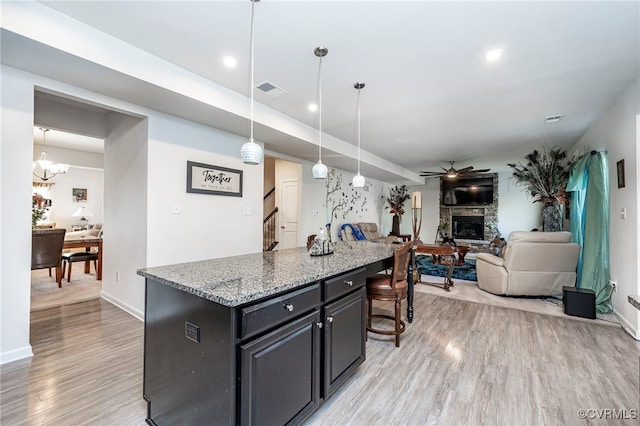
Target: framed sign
207, 179
620, 170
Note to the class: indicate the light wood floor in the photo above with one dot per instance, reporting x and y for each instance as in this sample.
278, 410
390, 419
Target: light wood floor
459, 363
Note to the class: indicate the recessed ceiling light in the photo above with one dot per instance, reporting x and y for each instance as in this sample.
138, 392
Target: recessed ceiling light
230, 61
493, 55
312, 107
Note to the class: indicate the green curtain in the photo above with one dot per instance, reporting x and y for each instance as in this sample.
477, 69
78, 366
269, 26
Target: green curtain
589, 224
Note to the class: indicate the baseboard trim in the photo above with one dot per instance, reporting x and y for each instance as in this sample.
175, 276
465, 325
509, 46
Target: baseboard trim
124, 306
627, 326
16, 354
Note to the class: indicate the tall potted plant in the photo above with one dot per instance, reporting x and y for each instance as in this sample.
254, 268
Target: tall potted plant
545, 177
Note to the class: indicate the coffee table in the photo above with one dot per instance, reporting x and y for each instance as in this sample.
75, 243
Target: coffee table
451, 256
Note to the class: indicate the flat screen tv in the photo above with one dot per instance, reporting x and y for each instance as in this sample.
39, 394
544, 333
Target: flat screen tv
476, 191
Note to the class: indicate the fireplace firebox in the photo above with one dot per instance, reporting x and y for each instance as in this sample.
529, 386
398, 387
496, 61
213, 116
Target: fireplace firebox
467, 227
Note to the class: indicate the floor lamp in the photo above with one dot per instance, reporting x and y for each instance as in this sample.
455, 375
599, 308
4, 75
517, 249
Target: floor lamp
416, 209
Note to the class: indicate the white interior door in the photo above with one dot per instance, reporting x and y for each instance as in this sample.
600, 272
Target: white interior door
289, 199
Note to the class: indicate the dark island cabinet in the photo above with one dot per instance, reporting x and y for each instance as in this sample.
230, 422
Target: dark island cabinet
270, 362
344, 339
280, 374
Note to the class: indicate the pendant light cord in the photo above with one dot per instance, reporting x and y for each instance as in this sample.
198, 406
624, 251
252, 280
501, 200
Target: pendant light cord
251, 77
319, 99
358, 116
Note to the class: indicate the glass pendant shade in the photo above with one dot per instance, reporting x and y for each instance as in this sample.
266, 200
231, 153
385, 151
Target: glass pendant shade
251, 153
320, 171
358, 181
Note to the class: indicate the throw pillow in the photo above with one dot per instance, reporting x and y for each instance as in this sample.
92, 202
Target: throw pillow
357, 233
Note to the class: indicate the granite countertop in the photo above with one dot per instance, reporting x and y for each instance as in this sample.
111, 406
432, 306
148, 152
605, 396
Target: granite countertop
236, 280
635, 301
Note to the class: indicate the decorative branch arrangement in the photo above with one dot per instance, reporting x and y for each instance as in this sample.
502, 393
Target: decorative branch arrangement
545, 174
396, 199
545, 177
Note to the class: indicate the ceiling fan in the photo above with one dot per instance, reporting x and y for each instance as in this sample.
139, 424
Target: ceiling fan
452, 173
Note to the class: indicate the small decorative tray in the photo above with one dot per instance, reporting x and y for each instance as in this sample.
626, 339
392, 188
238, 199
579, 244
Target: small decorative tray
321, 254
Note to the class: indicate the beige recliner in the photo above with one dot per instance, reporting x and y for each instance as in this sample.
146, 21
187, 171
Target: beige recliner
534, 264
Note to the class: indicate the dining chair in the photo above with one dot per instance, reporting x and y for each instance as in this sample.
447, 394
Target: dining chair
46, 250
69, 258
390, 288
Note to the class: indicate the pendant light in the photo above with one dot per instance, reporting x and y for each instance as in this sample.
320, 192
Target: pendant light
358, 179
319, 170
48, 168
251, 152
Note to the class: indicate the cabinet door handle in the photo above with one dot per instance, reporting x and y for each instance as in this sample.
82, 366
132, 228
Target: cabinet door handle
289, 307
319, 324
349, 283
330, 319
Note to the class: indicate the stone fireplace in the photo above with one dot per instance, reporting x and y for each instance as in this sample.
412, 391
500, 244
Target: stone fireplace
467, 227
468, 224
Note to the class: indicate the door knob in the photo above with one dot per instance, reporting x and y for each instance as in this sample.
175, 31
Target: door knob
289, 307
319, 324
330, 319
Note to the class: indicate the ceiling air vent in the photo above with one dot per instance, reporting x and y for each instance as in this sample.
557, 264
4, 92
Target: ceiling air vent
271, 89
553, 118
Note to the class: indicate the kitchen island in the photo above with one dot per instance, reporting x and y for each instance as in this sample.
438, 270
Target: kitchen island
262, 338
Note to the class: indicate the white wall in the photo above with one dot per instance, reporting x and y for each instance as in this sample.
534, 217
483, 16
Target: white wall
516, 209
315, 214
616, 132
144, 175
125, 228
63, 204
208, 226
16, 153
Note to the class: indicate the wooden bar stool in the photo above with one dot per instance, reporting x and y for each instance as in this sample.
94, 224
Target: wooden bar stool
391, 288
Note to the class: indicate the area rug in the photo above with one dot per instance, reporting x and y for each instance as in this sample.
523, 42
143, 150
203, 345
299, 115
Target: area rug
46, 294
466, 272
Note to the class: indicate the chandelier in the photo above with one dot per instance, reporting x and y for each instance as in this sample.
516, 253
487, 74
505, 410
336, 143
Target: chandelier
44, 168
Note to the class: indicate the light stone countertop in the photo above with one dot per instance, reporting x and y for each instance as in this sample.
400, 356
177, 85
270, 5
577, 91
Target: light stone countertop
635, 301
236, 280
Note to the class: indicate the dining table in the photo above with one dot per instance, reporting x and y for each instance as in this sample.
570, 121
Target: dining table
87, 243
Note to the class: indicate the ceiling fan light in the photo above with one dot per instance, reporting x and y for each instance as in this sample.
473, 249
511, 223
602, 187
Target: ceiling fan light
358, 181
320, 171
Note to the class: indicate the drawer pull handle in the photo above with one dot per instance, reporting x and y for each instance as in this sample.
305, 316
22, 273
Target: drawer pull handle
319, 324
330, 319
289, 307
349, 283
